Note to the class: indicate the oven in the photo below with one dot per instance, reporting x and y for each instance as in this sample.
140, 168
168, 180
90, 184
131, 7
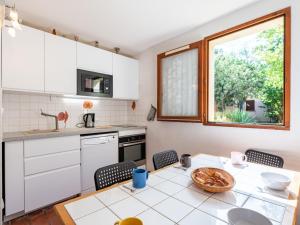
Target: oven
133, 147
94, 84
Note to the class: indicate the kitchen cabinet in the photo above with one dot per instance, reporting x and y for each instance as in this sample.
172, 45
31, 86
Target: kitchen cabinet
51, 162
45, 146
46, 188
94, 59
126, 77
52, 166
35, 61
14, 177
40, 172
23, 60
60, 65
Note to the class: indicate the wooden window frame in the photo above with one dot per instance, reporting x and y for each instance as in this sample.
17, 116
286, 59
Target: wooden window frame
194, 119
286, 13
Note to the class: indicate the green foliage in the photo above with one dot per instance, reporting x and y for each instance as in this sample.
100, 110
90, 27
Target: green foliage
251, 74
238, 116
272, 52
237, 78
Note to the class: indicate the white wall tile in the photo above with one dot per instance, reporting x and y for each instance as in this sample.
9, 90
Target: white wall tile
22, 111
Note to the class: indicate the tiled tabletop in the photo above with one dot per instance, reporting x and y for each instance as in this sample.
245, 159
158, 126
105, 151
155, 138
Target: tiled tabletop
171, 198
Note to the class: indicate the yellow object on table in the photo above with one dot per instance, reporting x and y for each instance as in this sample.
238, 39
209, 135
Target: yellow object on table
130, 221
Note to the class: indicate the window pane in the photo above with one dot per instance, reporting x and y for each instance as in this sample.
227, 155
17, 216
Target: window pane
246, 75
180, 84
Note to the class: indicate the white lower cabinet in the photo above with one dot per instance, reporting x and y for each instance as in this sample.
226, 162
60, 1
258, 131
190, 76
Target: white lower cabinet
14, 177
41, 172
46, 188
45, 146
52, 170
50, 162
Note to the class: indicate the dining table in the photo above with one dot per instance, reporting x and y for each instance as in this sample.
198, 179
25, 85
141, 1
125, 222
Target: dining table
171, 197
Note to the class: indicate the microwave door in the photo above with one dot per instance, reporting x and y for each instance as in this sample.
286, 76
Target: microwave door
94, 84
87, 84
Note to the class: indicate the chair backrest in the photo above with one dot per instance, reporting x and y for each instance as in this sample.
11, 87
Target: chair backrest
164, 158
264, 158
112, 174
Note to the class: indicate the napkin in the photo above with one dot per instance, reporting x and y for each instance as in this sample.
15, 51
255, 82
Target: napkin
281, 194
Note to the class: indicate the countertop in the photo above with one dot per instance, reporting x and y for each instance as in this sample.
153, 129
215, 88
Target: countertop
38, 134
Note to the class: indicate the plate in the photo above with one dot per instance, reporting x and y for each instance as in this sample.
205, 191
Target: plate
275, 181
214, 180
241, 216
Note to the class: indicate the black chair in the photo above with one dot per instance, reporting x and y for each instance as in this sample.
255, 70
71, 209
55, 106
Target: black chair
264, 158
164, 158
112, 174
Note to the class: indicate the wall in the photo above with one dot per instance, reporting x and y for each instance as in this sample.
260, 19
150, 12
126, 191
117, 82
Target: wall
22, 111
195, 138
2, 12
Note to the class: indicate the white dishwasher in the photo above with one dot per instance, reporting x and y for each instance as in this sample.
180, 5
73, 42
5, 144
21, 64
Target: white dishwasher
96, 151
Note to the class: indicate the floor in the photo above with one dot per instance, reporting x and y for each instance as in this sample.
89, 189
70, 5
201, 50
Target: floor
41, 217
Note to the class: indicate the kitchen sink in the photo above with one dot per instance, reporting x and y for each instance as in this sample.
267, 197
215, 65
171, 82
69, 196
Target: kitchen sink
39, 131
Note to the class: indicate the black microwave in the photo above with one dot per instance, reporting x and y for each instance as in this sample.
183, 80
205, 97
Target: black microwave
94, 84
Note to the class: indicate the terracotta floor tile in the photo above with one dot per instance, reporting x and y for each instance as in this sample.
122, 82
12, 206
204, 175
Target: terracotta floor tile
21, 221
54, 220
46, 216
35, 214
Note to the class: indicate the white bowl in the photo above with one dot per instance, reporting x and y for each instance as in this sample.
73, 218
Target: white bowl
241, 216
275, 181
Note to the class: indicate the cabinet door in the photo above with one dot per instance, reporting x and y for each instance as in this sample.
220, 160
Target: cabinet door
60, 65
45, 146
14, 177
94, 59
46, 188
126, 77
50, 162
23, 60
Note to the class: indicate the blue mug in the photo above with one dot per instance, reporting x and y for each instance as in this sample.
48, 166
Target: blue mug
139, 177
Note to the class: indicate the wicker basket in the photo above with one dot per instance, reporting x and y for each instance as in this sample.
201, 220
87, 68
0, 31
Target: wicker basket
214, 189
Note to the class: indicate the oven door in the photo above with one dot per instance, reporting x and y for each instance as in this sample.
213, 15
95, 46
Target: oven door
94, 84
135, 151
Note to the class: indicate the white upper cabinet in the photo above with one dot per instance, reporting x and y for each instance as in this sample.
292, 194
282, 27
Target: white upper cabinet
126, 77
93, 59
35, 61
60, 65
23, 60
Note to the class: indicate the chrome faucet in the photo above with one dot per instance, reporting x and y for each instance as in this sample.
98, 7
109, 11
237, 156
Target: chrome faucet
56, 119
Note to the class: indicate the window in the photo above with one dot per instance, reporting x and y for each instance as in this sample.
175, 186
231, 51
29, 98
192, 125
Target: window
247, 74
178, 89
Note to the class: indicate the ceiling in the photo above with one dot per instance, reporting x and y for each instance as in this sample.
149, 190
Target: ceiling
132, 25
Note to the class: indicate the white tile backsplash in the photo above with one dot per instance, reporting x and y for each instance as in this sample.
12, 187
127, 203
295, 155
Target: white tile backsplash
22, 111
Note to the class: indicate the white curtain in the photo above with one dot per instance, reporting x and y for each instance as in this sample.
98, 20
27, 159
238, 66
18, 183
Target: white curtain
2, 13
180, 84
